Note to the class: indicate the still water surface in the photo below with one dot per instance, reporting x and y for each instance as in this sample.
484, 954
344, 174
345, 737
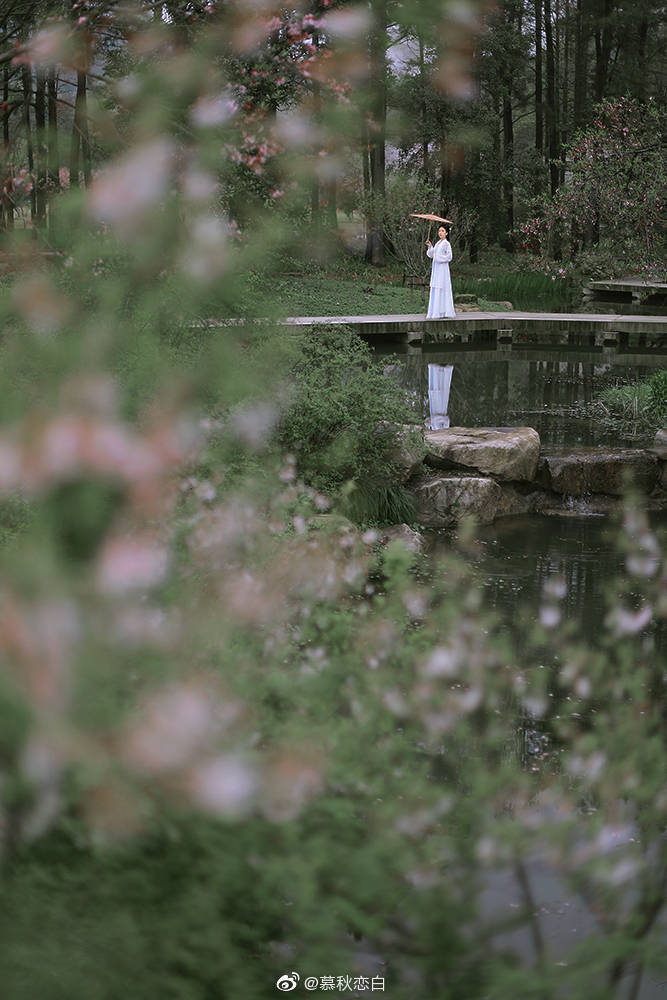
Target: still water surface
513, 560
550, 394
516, 556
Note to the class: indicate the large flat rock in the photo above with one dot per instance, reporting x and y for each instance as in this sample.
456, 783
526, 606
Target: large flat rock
599, 470
445, 500
506, 452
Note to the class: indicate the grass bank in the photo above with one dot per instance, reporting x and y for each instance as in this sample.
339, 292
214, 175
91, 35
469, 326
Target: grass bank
347, 286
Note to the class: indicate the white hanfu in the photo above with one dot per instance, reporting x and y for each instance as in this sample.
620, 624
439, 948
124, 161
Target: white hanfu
441, 300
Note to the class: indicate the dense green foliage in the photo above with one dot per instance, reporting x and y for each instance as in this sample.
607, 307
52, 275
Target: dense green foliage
347, 287
607, 220
341, 423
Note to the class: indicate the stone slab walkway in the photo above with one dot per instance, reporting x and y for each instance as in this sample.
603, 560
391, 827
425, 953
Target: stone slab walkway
529, 321
639, 290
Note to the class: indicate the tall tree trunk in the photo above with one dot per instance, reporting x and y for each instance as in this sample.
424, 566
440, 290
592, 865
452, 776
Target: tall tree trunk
365, 156
7, 209
53, 154
513, 21
40, 129
539, 110
508, 169
640, 76
82, 101
581, 42
315, 214
74, 151
5, 99
604, 37
366, 176
565, 87
378, 65
332, 205
552, 101
26, 74
496, 187
80, 146
445, 172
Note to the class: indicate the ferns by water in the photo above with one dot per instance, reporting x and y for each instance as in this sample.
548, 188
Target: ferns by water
380, 503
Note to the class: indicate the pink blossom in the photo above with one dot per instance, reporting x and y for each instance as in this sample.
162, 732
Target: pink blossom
130, 563
171, 727
225, 785
129, 187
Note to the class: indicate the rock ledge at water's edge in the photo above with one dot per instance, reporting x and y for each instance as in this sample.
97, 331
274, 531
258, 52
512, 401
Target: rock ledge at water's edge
508, 453
490, 472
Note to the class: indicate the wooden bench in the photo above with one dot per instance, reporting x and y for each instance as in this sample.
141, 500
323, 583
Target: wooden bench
413, 282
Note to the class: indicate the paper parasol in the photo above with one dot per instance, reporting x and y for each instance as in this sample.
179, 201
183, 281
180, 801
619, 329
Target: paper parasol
431, 217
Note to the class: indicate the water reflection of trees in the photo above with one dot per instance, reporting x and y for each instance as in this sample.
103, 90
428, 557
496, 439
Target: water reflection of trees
528, 552
550, 395
519, 556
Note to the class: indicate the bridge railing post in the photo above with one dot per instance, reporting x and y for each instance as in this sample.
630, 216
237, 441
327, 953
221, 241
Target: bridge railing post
505, 339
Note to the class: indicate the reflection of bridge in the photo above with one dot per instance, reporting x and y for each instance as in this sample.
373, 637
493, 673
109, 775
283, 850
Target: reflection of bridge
599, 333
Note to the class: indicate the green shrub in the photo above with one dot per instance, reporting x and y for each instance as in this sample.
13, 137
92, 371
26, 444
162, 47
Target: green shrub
340, 423
204, 909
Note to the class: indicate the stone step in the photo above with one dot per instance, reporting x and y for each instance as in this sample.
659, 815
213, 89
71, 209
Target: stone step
599, 470
490, 472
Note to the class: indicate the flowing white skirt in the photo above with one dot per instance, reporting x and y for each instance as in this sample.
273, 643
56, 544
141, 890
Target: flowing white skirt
441, 303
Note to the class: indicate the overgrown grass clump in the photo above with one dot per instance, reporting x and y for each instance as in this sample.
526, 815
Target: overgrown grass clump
639, 407
529, 290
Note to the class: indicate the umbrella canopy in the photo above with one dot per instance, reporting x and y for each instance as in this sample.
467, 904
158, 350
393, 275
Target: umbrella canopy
431, 217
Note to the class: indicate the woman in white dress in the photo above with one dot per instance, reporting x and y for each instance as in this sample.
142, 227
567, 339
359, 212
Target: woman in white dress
441, 300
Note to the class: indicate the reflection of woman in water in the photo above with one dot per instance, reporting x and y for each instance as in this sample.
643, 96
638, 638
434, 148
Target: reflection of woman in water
441, 300
439, 385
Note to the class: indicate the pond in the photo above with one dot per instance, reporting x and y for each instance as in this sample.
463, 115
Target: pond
551, 394
512, 560
515, 556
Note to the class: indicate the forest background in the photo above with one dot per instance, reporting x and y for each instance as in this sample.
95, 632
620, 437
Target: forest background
237, 736
482, 116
